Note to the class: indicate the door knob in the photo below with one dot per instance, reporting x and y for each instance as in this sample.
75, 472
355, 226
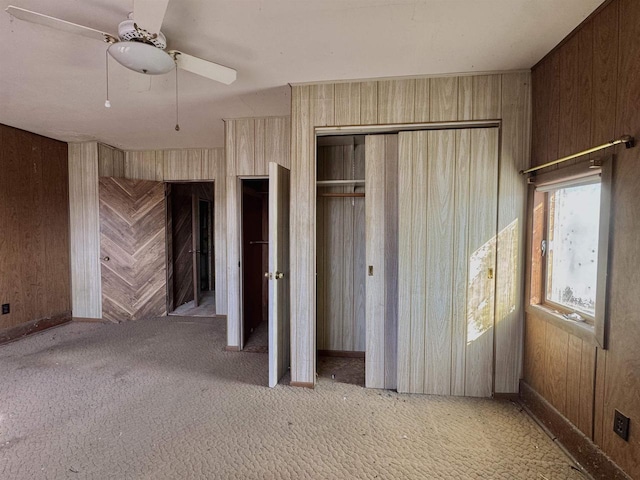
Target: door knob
490, 274
267, 275
106, 259
279, 275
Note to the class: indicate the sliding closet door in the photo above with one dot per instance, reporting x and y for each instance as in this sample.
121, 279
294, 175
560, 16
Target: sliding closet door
381, 212
447, 250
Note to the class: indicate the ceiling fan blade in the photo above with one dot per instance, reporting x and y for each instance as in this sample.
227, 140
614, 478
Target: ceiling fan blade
211, 70
58, 24
149, 14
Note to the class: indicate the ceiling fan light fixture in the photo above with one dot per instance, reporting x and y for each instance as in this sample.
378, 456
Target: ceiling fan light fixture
142, 57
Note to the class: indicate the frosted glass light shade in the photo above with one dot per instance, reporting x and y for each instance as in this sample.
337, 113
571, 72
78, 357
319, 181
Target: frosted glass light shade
142, 58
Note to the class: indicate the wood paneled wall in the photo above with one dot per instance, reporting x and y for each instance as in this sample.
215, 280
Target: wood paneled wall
34, 227
250, 144
171, 165
183, 165
341, 252
88, 161
254, 142
110, 161
585, 93
454, 98
86, 284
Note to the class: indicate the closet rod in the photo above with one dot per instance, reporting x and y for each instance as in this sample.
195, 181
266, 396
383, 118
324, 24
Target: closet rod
328, 183
628, 141
346, 195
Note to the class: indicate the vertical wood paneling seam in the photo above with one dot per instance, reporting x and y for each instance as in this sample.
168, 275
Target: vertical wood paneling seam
377, 100
413, 263
466, 269
415, 99
592, 77
594, 396
496, 234
453, 273
618, 62
458, 99
255, 144
500, 102
566, 368
580, 395
424, 266
384, 282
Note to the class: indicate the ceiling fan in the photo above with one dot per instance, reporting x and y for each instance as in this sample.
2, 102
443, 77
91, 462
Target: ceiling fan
139, 45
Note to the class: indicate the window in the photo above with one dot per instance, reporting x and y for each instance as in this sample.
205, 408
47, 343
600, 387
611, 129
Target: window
573, 215
570, 241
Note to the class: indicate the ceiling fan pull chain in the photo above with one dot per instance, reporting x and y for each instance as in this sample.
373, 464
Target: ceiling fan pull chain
177, 123
107, 103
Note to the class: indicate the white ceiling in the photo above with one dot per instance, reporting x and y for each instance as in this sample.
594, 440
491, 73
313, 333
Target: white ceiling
53, 83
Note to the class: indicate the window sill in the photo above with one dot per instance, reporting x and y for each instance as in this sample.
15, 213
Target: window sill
581, 330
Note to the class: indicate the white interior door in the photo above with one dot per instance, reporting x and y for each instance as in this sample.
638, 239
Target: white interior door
279, 273
448, 184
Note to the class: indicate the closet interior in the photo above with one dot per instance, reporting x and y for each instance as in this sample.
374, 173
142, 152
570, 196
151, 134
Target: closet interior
341, 258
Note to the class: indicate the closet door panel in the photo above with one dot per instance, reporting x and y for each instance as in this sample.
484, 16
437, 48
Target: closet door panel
437, 263
381, 259
391, 261
374, 206
447, 228
482, 258
460, 262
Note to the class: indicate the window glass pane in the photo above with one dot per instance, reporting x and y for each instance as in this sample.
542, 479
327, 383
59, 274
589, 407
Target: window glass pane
572, 262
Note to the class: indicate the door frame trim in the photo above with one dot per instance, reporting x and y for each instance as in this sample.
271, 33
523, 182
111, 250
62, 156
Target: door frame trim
168, 256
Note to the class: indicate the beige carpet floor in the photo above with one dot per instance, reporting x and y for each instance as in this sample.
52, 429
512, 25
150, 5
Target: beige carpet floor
162, 399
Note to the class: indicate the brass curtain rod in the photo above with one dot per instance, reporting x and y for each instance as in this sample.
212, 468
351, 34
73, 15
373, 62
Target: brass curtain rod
628, 141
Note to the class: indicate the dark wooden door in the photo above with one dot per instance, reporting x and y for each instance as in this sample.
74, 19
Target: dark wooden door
195, 247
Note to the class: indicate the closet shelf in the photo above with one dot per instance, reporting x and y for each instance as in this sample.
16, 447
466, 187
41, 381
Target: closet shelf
343, 195
329, 183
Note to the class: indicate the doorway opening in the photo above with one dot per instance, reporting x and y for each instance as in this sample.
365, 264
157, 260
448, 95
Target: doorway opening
190, 249
340, 247
255, 262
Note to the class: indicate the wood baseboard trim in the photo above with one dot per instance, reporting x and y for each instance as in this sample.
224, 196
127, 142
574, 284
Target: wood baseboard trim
577, 444
513, 397
232, 348
340, 353
302, 384
89, 320
34, 326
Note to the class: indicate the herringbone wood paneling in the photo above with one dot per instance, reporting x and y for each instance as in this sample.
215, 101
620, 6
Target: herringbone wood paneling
132, 237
